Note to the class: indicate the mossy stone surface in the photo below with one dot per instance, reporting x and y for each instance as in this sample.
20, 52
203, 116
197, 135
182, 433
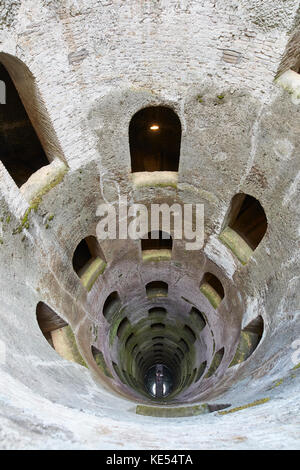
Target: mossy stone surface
157, 255
92, 272
236, 244
211, 294
168, 412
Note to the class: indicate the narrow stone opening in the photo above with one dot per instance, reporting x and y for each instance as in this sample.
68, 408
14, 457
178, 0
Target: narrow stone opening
48, 320
85, 253
123, 326
190, 333
249, 340
212, 288
154, 139
111, 306
156, 312
157, 289
248, 219
245, 226
217, 359
100, 361
157, 240
201, 370
21, 151
157, 326
58, 333
198, 318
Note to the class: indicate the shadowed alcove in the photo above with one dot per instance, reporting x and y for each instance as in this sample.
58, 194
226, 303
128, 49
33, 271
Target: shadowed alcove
154, 139
21, 151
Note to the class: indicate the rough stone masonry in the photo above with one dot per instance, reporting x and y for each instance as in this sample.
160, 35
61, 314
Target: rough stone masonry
78, 335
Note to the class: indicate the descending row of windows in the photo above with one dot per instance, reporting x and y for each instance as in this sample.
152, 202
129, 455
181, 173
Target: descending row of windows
245, 225
244, 228
60, 336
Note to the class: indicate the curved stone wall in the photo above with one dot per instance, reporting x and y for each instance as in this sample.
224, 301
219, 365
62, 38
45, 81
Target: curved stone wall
82, 70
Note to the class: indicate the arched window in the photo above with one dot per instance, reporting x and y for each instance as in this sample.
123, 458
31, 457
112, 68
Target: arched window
201, 371
157, 312
111, 306
21, 151
123, 327
198, 319
245, 226
48, 320
189, 334
249, 340
217, 359
212, 288
157, 240
58, 333
88, 261
100, 361
154, 139
157, 289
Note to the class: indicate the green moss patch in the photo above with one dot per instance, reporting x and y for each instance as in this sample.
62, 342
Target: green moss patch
236, 244
100, 361
215, 363
247, 344
168, 412
244, 407
37, 199
92, 272
211, 294
157, 255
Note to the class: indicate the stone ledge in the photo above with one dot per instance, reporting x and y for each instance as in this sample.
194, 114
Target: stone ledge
236, 244
92, 272
155, 179
211, 294
157, 255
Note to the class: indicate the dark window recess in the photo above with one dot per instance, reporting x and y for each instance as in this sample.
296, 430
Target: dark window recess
111, 306
21, 151
217, 359
157, 326
87, 250
117, 371
123, 327
189, 334
48, 320
157, 288
180, 353
256, 327
184, 345
128, 339
214, 282
100, 361
201, 371
157, 240
154, 139
198, 319
249, 340
158, 338
248, 219
160, 311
